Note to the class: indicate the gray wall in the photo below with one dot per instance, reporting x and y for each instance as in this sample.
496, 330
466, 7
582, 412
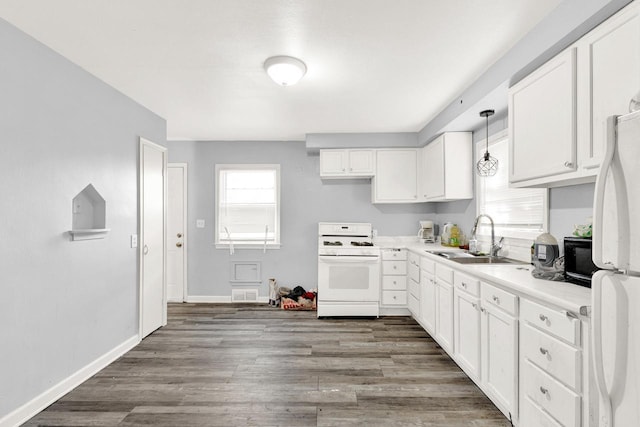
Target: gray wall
64, 304
306, 200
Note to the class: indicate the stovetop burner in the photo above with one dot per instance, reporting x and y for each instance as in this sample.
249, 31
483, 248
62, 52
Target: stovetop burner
328, 243
361, 244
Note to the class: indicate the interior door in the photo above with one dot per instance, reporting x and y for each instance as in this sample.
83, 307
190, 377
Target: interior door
176, 231
152, 237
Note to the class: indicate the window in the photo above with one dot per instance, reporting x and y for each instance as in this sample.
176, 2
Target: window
516, 212
248, 205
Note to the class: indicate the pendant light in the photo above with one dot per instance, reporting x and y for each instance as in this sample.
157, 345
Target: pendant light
487, 165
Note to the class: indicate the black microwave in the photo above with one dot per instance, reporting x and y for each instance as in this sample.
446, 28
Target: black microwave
578, 264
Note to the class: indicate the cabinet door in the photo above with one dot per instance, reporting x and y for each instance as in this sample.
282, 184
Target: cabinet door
609, 75
333, 162
542, 121
466, 325
433, 169
361, 162
428, 301
499, 359
444, 315
396, 179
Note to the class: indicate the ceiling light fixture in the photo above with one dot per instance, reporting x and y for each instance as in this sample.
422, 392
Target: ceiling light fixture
487, 165
285, 70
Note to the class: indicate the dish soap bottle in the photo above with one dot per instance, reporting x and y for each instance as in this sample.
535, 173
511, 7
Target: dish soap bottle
454, 238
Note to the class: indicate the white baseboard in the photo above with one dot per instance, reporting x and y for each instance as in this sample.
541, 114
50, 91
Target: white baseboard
37, 404
218, 299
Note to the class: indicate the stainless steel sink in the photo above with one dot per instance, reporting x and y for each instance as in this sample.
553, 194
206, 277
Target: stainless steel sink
486, 260
467, 258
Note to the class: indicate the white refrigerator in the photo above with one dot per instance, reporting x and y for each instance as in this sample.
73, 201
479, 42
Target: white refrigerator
615, 333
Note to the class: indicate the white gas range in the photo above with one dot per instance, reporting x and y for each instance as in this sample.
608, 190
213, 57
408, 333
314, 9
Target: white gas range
348, 270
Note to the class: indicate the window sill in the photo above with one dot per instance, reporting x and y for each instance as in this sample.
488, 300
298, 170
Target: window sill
247, 246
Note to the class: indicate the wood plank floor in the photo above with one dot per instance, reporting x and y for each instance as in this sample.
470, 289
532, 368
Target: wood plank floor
250, 365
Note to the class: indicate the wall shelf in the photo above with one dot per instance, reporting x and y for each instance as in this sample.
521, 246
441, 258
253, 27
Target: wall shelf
88, 210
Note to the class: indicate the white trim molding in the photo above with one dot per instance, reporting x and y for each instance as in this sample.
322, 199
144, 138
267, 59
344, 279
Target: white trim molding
210, 299
40, 402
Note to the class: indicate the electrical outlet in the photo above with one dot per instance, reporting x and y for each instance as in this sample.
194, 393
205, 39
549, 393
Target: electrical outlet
199, 223
134, 240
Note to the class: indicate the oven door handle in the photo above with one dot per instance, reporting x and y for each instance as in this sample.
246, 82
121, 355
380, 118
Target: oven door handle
348, 259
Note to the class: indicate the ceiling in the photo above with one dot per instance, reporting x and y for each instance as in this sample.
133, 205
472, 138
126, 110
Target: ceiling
373, 65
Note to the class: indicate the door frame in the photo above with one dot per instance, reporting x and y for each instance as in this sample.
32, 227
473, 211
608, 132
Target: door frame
185, 234
142, 144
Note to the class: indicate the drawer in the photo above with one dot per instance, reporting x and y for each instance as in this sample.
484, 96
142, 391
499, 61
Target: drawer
413, 271
553, 321
561, 403
394, 283
394, 267
394, 254
466, 283
499, 298
428, 265
552, 355
394, 297
414, 305
413, 258
532, 416
444, 273
414, 289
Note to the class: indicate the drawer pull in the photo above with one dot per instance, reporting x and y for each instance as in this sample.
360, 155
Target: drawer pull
544, 350
543, 318
395, 267
482, 309
544, 391
474, 305
394, 282
496, 299
464, 285
394, 297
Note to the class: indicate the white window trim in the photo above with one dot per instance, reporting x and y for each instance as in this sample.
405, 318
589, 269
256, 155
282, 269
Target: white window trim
239, 245
499, 231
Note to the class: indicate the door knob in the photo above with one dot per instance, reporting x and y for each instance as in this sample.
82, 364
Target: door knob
179, 235
179, 244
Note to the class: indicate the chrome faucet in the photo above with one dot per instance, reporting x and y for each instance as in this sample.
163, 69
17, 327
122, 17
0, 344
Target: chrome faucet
494, 247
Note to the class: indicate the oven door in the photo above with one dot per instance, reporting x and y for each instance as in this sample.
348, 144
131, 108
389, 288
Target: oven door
349, 278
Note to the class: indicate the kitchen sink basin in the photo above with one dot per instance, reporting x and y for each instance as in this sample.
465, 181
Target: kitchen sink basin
467, 258
486, 260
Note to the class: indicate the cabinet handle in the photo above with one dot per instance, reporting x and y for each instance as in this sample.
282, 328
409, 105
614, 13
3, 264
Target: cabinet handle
544, 350
395, 267
544, 390
474, 305
394, 297
543, 318
394, 282
482, 309
496, 299
568, 164
464, 285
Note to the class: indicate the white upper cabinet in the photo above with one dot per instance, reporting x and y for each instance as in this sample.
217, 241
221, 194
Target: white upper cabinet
396, 177
446, 169
542, 119
347, 163
608, 76
558, 114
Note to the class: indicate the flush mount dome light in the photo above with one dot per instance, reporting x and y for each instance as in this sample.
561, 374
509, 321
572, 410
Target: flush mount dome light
285, 70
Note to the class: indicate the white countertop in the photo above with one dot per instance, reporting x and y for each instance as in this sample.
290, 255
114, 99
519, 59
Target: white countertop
514, 277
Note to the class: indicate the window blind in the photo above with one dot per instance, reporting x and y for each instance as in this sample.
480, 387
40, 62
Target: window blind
516, 212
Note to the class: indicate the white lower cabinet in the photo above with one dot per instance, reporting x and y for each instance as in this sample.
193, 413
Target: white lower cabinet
444, 307
428, 300
413, 284
551, 365
466, 334
499, 351
394, 278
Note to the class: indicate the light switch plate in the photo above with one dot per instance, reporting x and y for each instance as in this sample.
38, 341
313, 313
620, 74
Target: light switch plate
199, 223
